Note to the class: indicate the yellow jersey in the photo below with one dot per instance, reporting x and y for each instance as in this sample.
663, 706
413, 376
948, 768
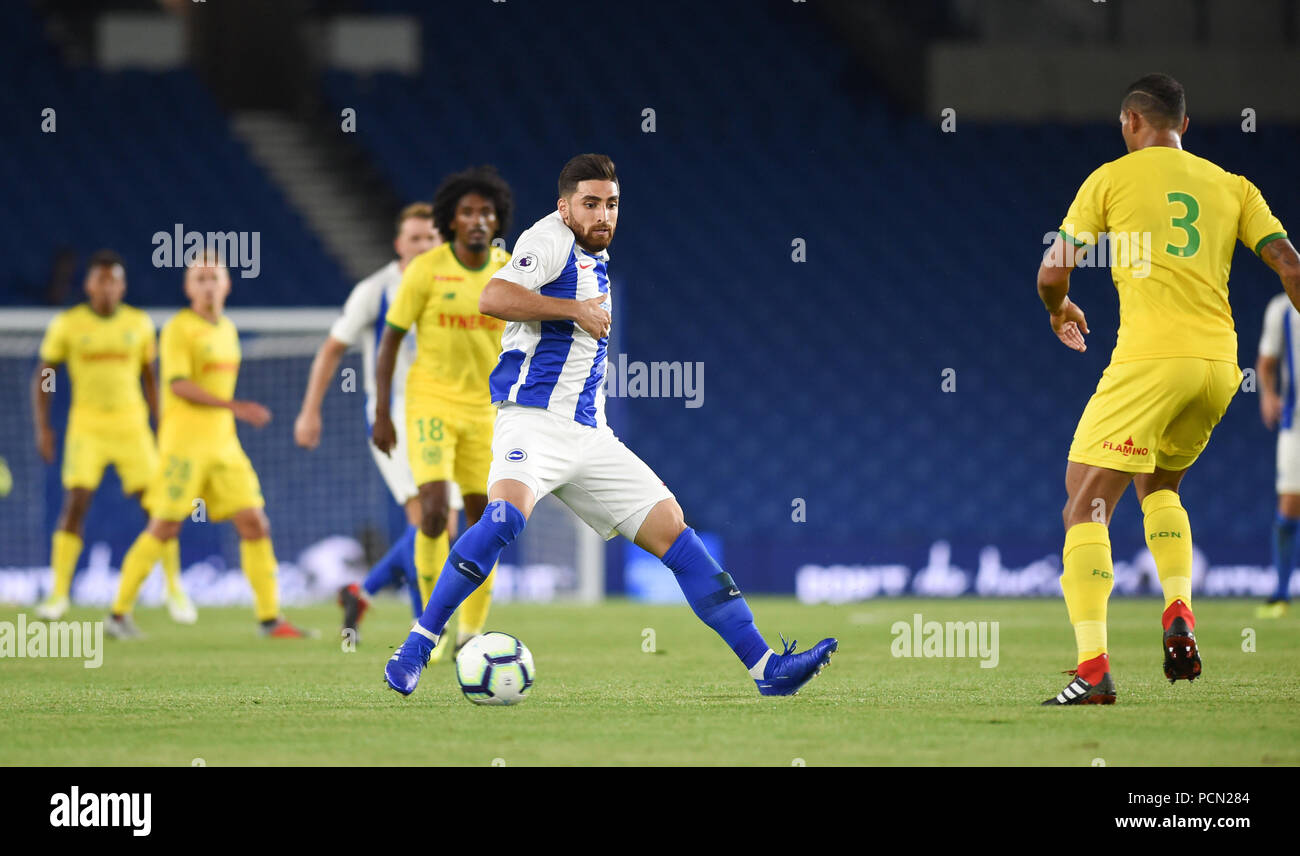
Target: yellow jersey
456, 345
104, 356
194, 348
1171, 220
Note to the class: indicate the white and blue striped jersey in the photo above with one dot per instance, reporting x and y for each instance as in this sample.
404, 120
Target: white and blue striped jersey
1280, 339
554, 365
362, 323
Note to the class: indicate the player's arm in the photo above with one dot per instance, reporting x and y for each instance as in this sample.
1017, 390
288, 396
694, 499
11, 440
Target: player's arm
306, 428
54, 351
247, 411
511, 302
1085, 219
1067, 319
41, 411
149, 382
408, 304
1270, 402
383, 434
1281, 256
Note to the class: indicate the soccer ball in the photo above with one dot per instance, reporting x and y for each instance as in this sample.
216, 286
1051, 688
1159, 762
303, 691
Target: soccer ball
495, 668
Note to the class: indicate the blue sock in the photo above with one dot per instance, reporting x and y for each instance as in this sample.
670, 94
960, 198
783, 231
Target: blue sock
1284, 554
713, 594
389, 569
470, 561
411, 575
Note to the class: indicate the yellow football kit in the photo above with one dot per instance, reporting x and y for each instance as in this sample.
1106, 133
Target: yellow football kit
1171, 221
449, 412
200, 457
202, 466
108, 422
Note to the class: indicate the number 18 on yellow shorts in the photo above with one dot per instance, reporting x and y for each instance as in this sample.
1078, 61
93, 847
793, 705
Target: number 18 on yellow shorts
1154, 413
445, 443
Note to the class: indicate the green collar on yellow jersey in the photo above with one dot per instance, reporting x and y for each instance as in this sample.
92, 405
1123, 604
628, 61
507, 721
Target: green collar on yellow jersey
451, 248
108, 317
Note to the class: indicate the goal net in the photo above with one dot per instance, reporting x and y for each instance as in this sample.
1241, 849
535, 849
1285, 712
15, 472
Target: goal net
331, 514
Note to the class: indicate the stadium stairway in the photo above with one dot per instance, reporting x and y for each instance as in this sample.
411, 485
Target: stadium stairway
336, 205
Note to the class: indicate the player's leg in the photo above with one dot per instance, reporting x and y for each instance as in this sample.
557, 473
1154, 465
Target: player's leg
431, 541
233, 492
398, 564
65, 549
1117, 437
1285, 559
517, 479
457, 501
136, 461
1087, 575
144, 553
257, 558
474, 611
1285, 542
616, 492
473, 464
716, 600
170, 495
1168, 536
468, 566
83, 468
1168, 530
430, 442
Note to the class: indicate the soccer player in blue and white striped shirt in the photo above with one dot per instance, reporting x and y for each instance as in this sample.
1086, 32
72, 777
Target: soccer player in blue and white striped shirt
1279, 352
550, 437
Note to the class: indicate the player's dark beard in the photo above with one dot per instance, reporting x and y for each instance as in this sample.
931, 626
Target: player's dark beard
596, 243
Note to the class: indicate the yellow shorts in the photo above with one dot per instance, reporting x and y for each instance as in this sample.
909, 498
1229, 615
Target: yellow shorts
127, 445
219, 481
1154, 413
449, 443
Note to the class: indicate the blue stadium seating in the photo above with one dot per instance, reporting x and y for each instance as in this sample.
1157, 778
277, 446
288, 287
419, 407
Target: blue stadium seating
134, 153
823, 378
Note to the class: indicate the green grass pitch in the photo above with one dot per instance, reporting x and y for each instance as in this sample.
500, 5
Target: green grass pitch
218, 692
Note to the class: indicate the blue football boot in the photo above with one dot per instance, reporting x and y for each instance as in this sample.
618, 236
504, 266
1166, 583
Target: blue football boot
786, 672
402, 672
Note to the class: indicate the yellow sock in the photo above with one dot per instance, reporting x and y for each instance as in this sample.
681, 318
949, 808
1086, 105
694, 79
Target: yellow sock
473, 612
136, 565
65, 548
1086, 582
430, 556
171, 562
258, 560
1169, 537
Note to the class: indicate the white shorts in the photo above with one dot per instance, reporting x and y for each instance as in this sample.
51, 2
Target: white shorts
1288, 460
395, 468
588, 469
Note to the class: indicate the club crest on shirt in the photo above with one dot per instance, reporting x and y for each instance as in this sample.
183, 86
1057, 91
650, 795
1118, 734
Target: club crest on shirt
516, 455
